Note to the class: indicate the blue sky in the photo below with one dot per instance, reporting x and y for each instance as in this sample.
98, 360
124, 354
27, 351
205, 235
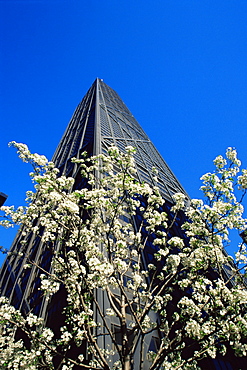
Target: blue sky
180, 67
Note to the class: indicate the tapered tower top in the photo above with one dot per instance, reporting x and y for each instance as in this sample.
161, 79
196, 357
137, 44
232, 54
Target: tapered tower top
101, 120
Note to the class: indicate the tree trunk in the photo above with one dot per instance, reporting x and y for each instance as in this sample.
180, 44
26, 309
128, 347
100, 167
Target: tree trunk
127, 364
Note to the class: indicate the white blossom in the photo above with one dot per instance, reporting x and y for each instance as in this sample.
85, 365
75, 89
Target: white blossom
104, 256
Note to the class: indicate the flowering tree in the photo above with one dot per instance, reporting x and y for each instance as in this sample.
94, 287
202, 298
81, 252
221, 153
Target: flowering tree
124, 312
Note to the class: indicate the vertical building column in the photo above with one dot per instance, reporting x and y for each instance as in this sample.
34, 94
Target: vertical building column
97, 133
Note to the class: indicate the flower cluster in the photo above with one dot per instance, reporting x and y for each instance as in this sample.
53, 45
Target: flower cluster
125, 264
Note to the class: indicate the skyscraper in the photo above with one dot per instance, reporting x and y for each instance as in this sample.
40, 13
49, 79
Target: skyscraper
99, 121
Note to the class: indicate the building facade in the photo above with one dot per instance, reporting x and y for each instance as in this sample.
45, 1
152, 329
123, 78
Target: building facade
100, 121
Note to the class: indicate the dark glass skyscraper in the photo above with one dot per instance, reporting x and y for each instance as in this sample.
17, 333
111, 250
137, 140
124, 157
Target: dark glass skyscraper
99, 121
